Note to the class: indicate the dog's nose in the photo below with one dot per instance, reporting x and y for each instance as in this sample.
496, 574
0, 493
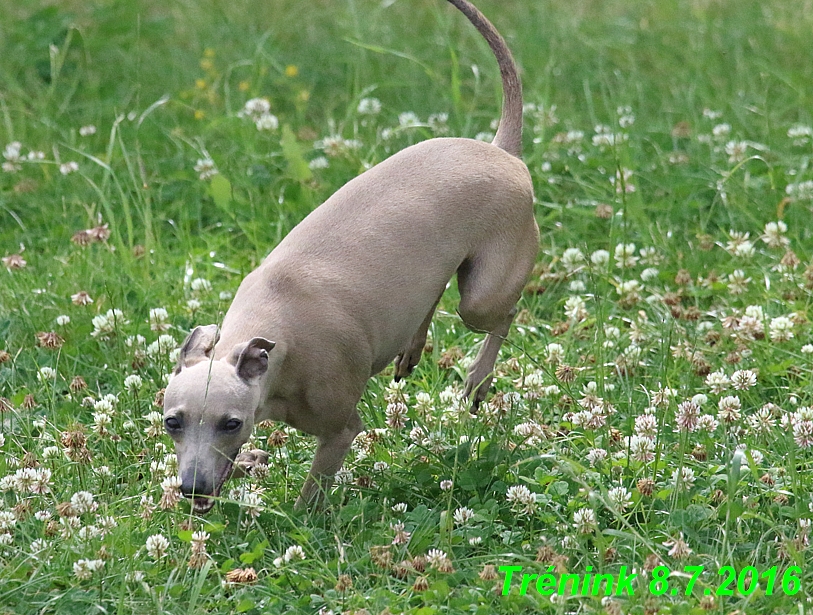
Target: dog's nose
195, 482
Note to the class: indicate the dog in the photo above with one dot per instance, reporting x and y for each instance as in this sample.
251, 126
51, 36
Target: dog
354, 286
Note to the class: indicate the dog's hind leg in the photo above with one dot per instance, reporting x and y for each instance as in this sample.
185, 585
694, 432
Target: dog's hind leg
408, 358
481, 371
330, 453
490, 285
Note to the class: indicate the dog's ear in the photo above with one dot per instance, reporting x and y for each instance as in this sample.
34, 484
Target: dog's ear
198, 346
250, 358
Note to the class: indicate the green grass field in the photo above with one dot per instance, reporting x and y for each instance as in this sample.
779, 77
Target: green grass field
653, 406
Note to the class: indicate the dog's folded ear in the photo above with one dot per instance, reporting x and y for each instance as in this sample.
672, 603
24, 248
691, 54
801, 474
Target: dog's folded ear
198, 346
250, 358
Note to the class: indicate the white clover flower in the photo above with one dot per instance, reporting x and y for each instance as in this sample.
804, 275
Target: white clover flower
103, 405
584, 520
320, 162
520, 497
625, 116
757, 456
44, 374
572, 259
736, 150
707, 423
294, 552
555, 353
156, 424
63, 320
369, 106
39, 545
774, 235
436, 558
575, 309
620, 498
729, 407
649, 274
255, 107
158, 319
803, 433
625, 255
623, 181
439, 123
570, 137
684, 477
267, 121
205, 168
646, 426
463, 515
408, 119
744, 249
7, 520
801, 191
12, 155
83, 569
600, 258
743, 379
642, 449
201, 285
596, 455
106, 324
336, 145
687, 416
604, 137
67, 168
133, 383
446, 485
780, 329
738, 282
721, 131
629, 288
800, 131
164, 345
157, 546
82, 502
343, 477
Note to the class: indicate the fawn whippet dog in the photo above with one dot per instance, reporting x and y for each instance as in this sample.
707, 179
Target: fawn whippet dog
354, 286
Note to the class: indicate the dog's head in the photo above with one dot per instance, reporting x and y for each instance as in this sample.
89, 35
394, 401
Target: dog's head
209, 408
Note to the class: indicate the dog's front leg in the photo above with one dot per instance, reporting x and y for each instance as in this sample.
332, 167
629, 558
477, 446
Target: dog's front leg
330, 453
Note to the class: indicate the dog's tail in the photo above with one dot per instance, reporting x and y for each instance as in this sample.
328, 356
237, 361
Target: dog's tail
509, 133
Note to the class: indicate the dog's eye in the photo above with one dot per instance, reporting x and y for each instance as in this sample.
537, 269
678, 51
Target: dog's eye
172, 424
233, 425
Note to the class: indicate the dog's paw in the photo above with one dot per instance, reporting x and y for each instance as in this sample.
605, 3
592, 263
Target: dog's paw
405, 362
246, 463
476, 391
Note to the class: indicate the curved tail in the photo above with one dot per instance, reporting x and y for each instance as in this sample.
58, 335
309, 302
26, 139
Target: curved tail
509, 133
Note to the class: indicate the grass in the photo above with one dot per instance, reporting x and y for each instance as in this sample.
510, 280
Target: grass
589, 414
